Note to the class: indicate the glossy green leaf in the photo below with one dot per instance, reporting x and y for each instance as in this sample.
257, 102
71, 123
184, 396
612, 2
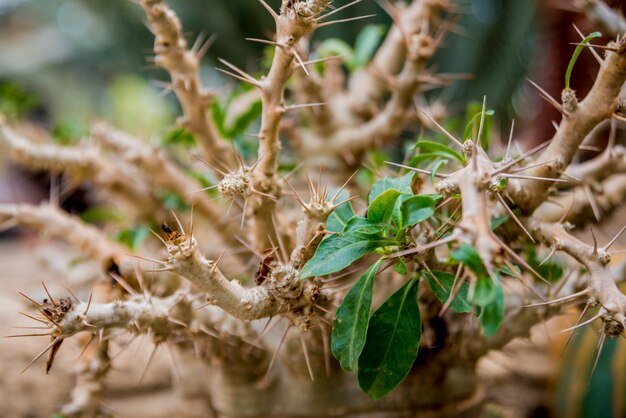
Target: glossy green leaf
339, 251
365, 226
440, 150
401, 184
435, 168
400, 267
491, 316
381, 208
484, 291
352, 319
468, 255
339, 218
416, 209
418, 159
460, 302
392, 342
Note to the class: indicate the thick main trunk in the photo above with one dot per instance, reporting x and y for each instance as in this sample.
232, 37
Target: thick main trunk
432, 389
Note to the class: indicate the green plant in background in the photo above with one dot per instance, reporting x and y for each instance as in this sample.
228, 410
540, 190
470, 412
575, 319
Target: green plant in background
15, 102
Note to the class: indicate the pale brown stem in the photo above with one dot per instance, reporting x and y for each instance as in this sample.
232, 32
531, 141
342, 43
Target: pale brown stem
161, 173
601, 102
182, 63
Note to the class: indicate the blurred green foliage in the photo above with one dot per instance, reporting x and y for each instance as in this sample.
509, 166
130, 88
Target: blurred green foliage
15, 101
78, 54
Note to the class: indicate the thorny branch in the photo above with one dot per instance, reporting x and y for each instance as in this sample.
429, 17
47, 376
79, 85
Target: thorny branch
182, 63
578, 121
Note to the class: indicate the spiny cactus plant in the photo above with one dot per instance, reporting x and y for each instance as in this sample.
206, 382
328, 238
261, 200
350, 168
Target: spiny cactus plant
454, 253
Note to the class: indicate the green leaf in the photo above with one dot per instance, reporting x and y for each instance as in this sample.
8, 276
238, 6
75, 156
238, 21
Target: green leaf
334, 46
474, 112
218, 114
392, 343
366, 43
173, 201
381, 208
179, 136
339, 251
577, 51
440, 150
484, 291
435, 168
416, 209
242, 111
460, 302
133, 238
15, 100
400, 267
101, 214
401, 184
468, 255
418, 159
352, 319
365, 226
497, 222
339, 218
69, 132
505, 270
492, 315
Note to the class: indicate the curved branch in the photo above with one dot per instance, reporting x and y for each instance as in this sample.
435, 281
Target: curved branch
82, 163
601, 103
282, 292
53, 221
182, 63
162, 173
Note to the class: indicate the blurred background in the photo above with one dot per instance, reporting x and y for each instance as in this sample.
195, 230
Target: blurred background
66, 63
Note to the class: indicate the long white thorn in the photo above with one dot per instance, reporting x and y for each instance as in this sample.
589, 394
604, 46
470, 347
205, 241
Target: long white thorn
508, 145
275, 354
606, 247
306, 357
582, 324
419, 170
482, 122
515, 219
38, 356
559, 300
337, 10
350, 19
269, 9
441, 128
